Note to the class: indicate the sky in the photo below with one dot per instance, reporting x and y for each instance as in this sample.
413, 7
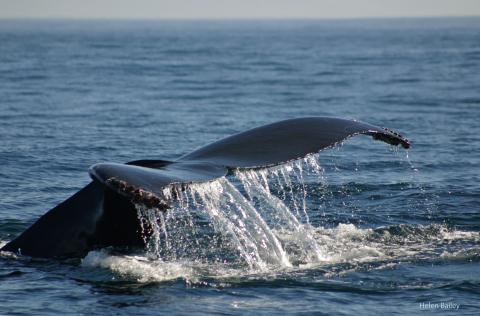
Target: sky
238, 9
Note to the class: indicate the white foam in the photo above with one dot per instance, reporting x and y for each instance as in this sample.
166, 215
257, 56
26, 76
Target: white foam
453, 235
345, 243
144, 269
6, 254
141, 268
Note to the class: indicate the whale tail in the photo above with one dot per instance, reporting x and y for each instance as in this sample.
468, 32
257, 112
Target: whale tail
103, 212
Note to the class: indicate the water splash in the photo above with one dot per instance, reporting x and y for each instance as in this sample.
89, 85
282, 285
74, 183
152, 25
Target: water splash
280, 216
152, 224
257, 222
429, 200
240, 222
230, 211
258, 219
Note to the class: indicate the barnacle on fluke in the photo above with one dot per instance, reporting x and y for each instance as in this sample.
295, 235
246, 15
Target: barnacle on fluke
137, 195
103, 212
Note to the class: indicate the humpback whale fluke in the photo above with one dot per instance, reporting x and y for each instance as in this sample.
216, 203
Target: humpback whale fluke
103, 212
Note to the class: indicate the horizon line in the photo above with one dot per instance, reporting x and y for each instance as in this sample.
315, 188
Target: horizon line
221, 19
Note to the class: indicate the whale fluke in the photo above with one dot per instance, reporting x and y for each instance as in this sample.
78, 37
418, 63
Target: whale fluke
145, 184
103, 213
280, 142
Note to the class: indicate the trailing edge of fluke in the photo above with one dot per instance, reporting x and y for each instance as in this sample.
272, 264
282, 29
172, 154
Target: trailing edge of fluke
103, 213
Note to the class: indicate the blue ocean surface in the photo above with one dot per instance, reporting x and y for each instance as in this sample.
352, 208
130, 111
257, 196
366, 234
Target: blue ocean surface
382, 230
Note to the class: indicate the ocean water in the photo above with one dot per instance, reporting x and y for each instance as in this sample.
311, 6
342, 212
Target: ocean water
359, 229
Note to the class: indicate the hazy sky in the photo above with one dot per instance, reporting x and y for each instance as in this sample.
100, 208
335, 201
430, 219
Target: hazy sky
198, 9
